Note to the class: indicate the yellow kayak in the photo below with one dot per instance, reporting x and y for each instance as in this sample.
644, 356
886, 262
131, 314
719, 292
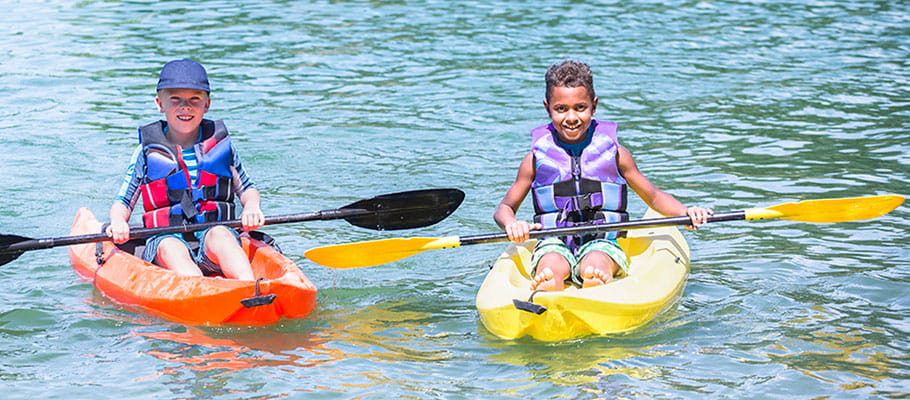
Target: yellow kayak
659, 266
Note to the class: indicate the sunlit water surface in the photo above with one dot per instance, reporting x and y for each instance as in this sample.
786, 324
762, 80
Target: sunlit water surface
727, 104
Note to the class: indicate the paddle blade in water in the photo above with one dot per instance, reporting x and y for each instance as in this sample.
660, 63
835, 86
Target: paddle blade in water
376, 252
406, 210
837, 210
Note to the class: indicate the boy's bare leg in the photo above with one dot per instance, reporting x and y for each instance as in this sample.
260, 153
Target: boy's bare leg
222, 248
173, 254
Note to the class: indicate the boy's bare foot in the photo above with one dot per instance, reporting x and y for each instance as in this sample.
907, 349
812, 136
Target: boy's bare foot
545, 280
594, 277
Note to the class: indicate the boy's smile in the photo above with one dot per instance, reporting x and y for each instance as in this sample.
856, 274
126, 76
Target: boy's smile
571, 110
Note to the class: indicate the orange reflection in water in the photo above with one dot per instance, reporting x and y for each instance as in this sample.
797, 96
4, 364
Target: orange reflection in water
224, 349
378, 333
205, 351
385, 332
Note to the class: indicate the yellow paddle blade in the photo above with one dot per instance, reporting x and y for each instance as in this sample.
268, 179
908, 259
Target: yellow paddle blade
829, 210
376, 252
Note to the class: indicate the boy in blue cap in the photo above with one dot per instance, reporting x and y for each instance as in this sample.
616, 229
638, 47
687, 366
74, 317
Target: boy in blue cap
187, 171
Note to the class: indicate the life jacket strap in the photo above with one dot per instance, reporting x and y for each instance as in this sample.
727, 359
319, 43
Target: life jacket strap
189, 208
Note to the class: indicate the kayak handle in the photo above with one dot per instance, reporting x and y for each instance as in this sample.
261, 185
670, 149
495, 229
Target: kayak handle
257, 299
529, 305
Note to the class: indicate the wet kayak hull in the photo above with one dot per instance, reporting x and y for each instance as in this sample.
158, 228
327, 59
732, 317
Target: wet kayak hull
129, 281
659, 267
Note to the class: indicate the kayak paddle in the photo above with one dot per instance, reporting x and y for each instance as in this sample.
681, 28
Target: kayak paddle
366, 254
393, 211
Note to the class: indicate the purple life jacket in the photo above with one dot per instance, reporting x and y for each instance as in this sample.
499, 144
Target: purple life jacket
582, 190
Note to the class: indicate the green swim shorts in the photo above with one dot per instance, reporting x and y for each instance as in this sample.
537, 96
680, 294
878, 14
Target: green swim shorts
556, 245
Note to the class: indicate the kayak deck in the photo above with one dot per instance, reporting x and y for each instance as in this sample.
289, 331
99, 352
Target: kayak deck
130, 281
659, 266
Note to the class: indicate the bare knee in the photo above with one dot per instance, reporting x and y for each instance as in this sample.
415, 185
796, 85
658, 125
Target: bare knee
223, 248
556, 263
173, 254
601, 261
220, 239
172, 249
220, 234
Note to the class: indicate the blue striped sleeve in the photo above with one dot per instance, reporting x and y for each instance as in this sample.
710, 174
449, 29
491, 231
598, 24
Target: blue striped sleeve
241, 181
129, 189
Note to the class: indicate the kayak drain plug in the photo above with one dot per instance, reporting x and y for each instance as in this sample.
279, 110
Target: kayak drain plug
257, 299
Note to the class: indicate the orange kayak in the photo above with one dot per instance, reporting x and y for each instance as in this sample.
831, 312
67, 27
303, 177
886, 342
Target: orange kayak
282, 290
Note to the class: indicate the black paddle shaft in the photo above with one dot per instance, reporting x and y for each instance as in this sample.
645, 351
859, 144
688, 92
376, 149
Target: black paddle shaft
402, 210
614, 226
138, 232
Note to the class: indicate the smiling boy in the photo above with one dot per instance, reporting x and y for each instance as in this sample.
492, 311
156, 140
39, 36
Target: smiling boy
578, 174
187, 171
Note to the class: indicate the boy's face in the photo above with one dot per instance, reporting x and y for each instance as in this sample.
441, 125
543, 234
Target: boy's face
571, 110
183, 108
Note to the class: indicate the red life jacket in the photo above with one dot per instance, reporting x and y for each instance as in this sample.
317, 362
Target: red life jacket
168, 195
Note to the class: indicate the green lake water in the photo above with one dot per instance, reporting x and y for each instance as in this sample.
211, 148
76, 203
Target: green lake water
726, 104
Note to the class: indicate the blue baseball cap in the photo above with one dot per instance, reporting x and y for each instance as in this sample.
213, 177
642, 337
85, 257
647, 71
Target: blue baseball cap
183, 74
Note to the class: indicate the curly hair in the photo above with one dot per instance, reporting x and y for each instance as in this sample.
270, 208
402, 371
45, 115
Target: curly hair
569, 74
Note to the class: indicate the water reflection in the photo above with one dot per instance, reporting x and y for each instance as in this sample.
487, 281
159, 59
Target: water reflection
216, 351
386, 332
380, 333
835, 353
198, 349
596, 365
563, 364
820, 340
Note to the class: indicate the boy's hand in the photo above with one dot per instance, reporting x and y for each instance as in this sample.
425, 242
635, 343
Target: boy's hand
698, 215
119, 231
252, 218
519, 231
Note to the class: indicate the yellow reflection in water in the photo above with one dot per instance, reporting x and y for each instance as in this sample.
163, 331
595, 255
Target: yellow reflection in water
386, 332
842, 351
588, 360
577, 362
